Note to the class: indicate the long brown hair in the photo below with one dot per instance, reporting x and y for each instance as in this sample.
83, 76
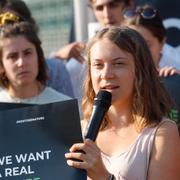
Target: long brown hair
151, 101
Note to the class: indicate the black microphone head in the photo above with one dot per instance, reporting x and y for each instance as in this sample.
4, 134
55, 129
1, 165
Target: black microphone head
103, 98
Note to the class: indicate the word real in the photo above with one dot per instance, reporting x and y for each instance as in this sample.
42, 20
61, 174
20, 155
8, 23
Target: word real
19, 159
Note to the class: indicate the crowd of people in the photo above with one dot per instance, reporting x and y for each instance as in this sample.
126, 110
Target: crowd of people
128, 57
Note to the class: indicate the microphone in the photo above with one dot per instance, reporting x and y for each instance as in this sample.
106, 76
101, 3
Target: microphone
102, 102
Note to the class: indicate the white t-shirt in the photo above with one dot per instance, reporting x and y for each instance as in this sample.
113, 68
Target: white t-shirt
48, 95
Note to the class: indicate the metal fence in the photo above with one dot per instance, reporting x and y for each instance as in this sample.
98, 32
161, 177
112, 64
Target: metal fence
54, 18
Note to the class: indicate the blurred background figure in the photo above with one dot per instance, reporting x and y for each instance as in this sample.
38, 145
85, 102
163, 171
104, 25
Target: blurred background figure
23, 68
57, 73
72, 55
171, 18
147, 21
109, 12
72, 50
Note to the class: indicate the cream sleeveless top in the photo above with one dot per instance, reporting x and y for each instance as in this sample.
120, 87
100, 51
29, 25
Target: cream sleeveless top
133, 163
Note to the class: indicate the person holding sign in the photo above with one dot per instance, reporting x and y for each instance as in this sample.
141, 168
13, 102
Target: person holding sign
137, 140
23, 73
58, 76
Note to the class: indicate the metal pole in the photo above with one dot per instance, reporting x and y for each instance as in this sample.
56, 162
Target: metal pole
81, 19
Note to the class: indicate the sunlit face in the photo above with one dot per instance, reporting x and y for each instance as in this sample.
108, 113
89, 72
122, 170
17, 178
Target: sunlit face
20, 61
113, 70
108, 12
154, 45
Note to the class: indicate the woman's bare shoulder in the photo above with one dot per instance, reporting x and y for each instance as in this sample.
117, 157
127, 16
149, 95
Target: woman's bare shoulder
167, 138
168, 126
166, 152
167, 130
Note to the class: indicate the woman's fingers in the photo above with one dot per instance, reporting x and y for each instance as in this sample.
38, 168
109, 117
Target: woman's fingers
168, 71
79, 159
77, 164
77, 147
83, 155
79, 155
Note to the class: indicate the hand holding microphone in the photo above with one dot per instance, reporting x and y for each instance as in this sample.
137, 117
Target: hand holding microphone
77, 156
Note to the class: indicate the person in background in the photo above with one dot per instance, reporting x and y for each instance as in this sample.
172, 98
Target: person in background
23, 68
109, 12
71, 50
58, 76
136, 140
147, 21
72, 55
